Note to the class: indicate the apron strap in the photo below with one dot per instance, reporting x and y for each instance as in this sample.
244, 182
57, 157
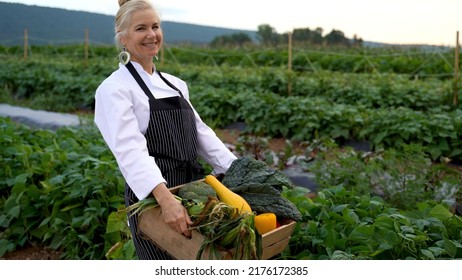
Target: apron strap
169, 83
139, 80
143, 85
190, 167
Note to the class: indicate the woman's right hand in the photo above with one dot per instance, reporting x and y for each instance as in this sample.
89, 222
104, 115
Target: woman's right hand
172, 211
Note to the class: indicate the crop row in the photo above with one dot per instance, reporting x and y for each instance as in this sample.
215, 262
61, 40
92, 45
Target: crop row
62, 189
52, 83
420, 62
57, 189
387, 110
305, 119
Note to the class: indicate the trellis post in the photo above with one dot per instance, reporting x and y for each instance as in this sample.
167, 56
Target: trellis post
86, 47
456, 72
26, 43
289, 64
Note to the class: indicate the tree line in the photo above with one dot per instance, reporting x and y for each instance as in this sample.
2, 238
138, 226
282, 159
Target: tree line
267, 36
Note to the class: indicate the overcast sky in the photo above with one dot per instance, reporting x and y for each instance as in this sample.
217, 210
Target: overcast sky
387, 21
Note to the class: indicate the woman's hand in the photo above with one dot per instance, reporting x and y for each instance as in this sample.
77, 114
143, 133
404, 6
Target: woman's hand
173, 212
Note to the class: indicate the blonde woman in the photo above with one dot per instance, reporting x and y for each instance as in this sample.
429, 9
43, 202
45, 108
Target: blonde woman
148, 122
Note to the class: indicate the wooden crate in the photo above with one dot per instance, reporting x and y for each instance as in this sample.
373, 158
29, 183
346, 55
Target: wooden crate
183, 248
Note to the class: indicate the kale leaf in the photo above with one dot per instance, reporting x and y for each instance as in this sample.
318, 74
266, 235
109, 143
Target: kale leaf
261, 187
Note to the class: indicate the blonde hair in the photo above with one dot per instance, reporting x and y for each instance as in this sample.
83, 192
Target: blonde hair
124, 16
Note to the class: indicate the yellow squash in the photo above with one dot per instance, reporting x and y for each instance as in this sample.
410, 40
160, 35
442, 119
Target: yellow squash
265, 222
227, 196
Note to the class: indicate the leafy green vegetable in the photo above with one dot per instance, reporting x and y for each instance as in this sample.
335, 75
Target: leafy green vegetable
261, 187
280, 206
197, 190
248, 172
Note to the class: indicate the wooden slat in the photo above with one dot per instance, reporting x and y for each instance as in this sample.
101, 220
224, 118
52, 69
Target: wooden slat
180, 247
176, 244
275, 248
278, 234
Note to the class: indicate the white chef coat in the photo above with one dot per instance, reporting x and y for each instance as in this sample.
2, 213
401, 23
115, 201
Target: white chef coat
122, 115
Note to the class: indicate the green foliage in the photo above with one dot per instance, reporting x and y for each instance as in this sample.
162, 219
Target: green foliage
118, 244
197, 190
403, 178
267, 35
413, 63
232, 40
261, 187
389, 110
57, 189
342, 224
61, 87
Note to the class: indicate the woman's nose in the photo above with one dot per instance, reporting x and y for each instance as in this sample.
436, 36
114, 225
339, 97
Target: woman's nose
152, 33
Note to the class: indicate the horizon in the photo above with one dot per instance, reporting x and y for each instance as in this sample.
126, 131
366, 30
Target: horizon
413, 22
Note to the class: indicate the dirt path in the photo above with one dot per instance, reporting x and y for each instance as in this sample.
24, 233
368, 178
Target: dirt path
32, 253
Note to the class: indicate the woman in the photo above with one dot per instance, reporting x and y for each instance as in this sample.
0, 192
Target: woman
150, 126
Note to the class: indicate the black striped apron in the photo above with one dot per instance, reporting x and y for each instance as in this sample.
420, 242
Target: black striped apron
172, 140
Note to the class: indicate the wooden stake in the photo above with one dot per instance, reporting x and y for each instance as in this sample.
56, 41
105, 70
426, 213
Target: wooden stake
289, 65
26, 43
456, 72
86, 47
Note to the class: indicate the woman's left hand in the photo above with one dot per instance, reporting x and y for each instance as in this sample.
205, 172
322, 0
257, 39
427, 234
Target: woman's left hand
173, 212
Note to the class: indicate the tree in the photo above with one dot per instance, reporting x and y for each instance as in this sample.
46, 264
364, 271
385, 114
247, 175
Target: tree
301, 35
307, 35
232, 40
267, 35
357, 41
241, 38
336, 37
316, 36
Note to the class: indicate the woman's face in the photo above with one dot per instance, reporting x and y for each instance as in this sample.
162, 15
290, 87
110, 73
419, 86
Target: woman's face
144, 36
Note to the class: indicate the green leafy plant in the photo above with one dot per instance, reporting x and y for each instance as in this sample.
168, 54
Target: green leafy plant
57, 189
402, 177
339, 224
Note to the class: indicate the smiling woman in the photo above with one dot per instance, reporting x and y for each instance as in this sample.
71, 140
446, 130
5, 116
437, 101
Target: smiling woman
151, 127
141, 36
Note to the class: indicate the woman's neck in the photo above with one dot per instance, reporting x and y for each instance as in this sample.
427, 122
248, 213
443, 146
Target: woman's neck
148, 66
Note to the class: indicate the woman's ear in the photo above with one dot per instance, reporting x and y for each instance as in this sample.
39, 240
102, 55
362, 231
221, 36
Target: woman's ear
122, 40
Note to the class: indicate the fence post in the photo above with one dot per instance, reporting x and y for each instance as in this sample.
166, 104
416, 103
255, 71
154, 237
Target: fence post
26, 43
86, 47
456, 72
289, 65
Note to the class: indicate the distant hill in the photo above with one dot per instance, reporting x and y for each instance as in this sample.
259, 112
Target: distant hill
60, 26
54, 26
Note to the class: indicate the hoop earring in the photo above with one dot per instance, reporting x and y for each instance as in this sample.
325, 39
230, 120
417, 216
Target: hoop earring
124, 56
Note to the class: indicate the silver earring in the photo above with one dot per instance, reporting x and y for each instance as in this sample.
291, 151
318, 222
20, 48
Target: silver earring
124, 56
157, 58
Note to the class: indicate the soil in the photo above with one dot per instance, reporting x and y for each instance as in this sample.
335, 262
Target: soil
32, 253
230, 136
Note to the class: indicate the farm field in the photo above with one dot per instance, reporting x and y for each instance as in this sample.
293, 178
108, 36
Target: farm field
399, 199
